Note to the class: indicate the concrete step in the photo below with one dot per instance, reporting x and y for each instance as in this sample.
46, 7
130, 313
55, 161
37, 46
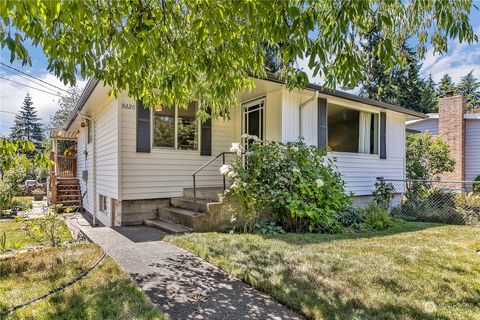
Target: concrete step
69, 202
166, 226
188, 203
206, 193
178, 215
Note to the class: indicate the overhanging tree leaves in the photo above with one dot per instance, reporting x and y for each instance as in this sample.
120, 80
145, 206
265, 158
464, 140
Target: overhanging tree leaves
208, 49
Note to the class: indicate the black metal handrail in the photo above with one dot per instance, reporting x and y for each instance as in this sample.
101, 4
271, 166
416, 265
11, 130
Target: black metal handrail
203, 167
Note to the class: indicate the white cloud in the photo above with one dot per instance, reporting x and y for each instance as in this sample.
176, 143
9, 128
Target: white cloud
12, 95
460, 59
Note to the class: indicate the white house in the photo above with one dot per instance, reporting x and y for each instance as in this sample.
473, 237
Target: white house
461, 131
135, 163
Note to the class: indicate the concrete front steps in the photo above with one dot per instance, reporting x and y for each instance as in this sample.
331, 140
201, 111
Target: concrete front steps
180, 215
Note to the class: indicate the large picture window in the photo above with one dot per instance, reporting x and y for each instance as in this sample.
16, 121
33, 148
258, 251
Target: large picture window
352, 130
175, 127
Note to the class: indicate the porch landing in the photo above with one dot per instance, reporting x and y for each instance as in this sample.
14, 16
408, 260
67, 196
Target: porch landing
180, 283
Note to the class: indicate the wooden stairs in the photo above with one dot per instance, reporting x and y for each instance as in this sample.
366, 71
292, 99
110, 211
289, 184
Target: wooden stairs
68, 193
180, 216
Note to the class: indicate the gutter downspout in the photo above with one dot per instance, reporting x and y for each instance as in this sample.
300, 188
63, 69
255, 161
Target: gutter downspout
300, 107
94, 164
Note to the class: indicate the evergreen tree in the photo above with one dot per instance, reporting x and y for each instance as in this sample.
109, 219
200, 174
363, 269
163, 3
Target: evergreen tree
400, 85
27, 124
378, 81
446, 85
469, 87
429, 100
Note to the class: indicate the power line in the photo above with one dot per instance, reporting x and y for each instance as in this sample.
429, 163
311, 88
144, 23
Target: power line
23, 84
38, 84
8, 112
29, 75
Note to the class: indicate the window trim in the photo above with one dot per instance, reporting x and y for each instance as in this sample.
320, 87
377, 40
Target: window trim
175, 135
102, 205
89, 131
377, 112
250, 103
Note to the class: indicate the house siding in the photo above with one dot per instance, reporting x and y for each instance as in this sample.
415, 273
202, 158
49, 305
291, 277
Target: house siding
358, 170
423, 125
472, 149
106, 141
163, 173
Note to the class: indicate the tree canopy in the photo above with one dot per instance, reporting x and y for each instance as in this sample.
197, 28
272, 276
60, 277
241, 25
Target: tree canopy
208, 50
469, 87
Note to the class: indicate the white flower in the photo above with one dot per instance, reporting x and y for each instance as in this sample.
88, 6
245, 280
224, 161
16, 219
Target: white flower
294, 149
319, 183
236, 148
225, 169
231, 174
234, 185
244, 136
295, 170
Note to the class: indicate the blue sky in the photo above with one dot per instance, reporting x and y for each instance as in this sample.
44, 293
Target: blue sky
460, 59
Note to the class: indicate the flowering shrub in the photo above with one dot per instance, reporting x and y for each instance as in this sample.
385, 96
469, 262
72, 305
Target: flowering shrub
296, 182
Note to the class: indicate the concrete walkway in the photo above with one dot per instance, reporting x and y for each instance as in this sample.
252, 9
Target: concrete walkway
181, 284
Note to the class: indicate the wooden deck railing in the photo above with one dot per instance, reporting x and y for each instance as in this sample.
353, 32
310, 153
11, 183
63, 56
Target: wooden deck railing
66, 166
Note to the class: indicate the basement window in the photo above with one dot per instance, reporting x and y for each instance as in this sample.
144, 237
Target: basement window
351, 130
102, 203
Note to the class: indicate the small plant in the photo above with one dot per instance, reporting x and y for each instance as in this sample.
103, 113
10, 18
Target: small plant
22, 203
269, 228
3, 241
384, 193
46, 230
350, 217
476, 185
377, 217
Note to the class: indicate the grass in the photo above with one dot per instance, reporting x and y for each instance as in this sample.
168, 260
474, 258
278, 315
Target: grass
106, 293
17, 239
410, 271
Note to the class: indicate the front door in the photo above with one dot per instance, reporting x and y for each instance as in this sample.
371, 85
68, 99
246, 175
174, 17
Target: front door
254, 118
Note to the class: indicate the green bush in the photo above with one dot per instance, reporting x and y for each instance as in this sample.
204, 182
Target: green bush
384, 193
22, 203
350, 216
269, 228
476, 185
377, 217
296, 182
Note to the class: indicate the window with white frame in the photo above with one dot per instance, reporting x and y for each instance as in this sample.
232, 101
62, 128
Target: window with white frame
351, 130
175, 128
102, 203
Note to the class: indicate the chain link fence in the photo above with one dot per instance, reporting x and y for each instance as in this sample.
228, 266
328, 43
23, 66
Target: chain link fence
452, 202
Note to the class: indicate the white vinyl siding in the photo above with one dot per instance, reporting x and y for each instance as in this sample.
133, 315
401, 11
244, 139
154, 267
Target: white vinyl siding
358, 170
163, 173
106, 143
423, 125
472, 149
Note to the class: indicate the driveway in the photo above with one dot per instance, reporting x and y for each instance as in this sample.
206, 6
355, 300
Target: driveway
180, 283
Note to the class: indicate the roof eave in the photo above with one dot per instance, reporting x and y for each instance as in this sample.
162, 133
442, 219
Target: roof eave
91, 84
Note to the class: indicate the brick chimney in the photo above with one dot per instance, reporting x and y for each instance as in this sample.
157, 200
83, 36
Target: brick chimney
451, 127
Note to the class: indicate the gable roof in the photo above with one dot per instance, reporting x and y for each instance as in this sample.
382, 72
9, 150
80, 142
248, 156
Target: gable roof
92, 83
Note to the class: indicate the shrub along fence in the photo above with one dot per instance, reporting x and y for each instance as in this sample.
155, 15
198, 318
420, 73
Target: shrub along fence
453, 202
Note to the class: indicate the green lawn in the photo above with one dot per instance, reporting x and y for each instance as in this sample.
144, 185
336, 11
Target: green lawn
411, 271
17, 239
106, 293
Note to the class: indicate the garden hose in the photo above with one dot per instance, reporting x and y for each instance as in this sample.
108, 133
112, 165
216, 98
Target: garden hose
57, 289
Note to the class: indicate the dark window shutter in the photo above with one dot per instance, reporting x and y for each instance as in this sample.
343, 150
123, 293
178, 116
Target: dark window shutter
143, 128
383, 135
322, 122
206, 137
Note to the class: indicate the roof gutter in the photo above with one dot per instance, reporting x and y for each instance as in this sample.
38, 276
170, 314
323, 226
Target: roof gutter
87, 92
351, 97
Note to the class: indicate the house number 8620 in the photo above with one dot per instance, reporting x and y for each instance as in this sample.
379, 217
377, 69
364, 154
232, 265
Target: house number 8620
128, 106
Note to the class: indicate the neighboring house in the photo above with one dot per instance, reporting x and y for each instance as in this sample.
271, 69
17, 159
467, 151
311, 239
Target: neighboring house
136, 163
461, 131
